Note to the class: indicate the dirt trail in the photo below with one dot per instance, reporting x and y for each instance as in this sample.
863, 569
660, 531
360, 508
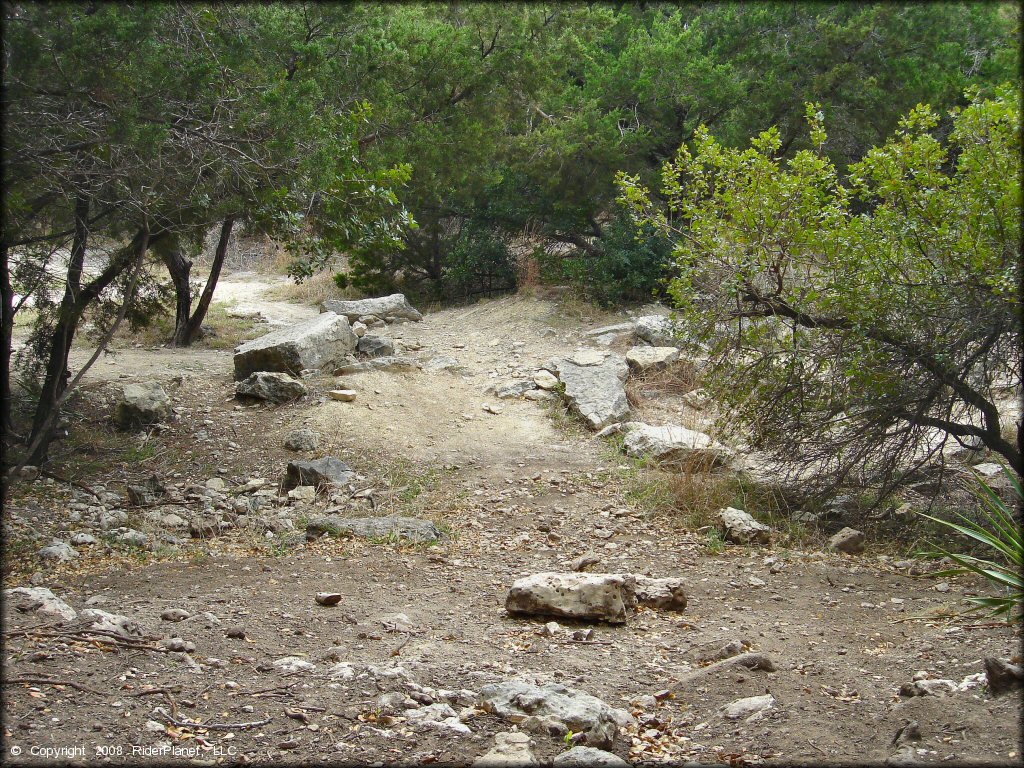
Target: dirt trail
519, 494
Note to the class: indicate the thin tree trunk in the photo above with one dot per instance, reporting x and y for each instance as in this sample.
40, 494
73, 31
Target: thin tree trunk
57, 373
6, 338
6, 334
179, 267
187, 332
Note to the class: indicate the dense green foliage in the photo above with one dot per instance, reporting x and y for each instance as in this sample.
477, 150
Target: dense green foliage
855, 326
517, 117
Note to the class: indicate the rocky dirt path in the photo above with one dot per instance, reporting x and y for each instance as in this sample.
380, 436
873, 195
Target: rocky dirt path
392, 674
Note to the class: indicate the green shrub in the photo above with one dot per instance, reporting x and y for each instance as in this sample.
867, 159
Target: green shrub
630, 265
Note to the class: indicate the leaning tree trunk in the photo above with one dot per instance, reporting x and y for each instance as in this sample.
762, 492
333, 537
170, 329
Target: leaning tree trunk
187, 331
63, 335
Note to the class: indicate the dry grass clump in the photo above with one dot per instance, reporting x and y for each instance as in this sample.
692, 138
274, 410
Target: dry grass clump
312, 290
675, 380
221, 330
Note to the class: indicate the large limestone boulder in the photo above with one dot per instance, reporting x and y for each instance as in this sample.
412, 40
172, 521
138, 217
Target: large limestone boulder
672, 444
142, 405
740, 528
655, 329
403, 528
272, 386
644, 359
594, 387
38, 600
384, 307
595, 596
320, 342
559, 708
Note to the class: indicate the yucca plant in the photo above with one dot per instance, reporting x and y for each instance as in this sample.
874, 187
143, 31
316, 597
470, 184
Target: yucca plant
1001, 536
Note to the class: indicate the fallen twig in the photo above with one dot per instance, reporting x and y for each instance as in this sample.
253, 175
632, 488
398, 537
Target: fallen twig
268, 691
398, 649
153, 691
68, 481
102, 636
51, 681
209, 726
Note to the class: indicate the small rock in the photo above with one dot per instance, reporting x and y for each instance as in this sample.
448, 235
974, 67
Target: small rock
848, 540
327, 598
82, 539
342, 671
643, 359
563, 707
510, 750
320, 472
741, 528
928, 687
514, 389
272, 386
152, 726
573, 595
545, 380
302, 493
178, 645
320, 342
235, 633
28, 473
38, 600
749, 708
1002, 676
111, 622
588, 757
655, 329
302, 439
59, 550
216, 484
551, 629
134, 538
375, 346
342, 395
293, 665
585, 562
175, 614
142, 405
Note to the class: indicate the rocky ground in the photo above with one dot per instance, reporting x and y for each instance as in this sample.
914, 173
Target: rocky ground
191, 616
